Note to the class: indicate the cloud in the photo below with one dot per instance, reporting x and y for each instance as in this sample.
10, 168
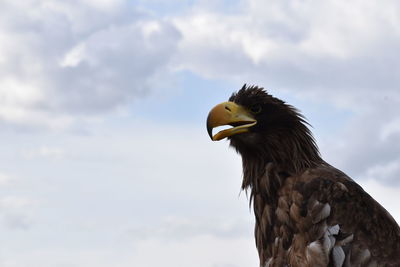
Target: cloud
44, 151
16, 212
122, 192
61, 60
174, 228
334, 54
4, 179
368, 145
123, 188
386, 195
387, 172
205, 251
333, 50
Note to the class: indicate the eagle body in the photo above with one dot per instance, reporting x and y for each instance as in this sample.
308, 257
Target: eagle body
307, 212
320, 218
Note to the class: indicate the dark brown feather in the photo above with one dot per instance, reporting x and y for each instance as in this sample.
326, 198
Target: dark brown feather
307, 212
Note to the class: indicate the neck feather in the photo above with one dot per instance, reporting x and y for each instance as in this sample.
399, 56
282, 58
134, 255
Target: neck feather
290, 151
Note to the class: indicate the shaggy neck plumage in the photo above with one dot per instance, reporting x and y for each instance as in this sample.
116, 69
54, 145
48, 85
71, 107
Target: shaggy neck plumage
290, 151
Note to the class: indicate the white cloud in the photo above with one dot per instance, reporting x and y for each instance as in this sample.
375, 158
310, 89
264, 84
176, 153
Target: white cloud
5, 179
44, 151
387, 172
122, 189
172, 228
16, 212
390, 129
105, 4
63, 61
119, 193
387, 196
336, 54
14, 202
368, 145
136, 190
339, 51
74, 56
201, 251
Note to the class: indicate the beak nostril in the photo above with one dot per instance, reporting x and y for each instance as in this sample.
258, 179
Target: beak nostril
227, 108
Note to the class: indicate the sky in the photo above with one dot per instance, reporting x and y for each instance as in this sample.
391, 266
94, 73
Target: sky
105, 158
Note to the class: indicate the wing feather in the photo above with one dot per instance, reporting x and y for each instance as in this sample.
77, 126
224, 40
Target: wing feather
323, 218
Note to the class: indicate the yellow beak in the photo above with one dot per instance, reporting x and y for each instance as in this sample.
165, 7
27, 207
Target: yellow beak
229, 113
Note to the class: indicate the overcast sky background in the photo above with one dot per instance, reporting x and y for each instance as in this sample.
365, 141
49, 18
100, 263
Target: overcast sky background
105, 160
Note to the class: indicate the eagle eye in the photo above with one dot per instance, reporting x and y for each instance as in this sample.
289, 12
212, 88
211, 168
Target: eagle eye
255, 109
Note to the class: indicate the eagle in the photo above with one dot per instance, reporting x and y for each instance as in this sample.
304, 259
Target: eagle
307, 213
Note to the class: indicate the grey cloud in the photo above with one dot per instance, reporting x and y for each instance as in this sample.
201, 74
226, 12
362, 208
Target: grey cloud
80, 59
15, 212
119, 65
309, 48
17, 221
339, 54
365, 150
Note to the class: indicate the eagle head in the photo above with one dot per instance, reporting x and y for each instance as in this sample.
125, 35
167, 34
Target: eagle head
263, 126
